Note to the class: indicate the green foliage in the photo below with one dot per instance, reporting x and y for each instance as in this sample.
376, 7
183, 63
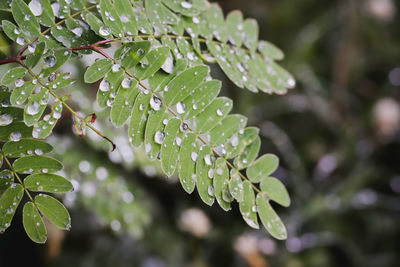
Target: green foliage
157, 82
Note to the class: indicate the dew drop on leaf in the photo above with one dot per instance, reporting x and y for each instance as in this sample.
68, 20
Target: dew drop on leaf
180, 108
104, 86
15, 136
77, 31
5, 119
186, 4
104, 31
33, 108
50, 61
36, 7
20, 40
155, 103
159, 137
126, 83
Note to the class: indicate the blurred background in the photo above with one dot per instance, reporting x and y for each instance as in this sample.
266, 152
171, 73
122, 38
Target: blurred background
337, 134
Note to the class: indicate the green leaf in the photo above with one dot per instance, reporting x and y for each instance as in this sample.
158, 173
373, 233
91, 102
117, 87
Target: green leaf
262, 167
124, 100
158, 118
251, 34
183, 84
47, 16
170, 146
14, 33
221, 184
9, 202
216, 23
201, 97
270, 219
155, 59
275, 190
46, 182
45, 127
97, 25
6, 178
248, 155
15, 131
33, 59
212, 114
109, 85
183, 7
187, 162
98, 70
36, 105
33, 224
236, 185
159, 15
54, 211
37, 164
54, 62
13, 75
10, 114
139, 118
133, 53
126, 13
26, 147
111, 18
235, 28
237, 143
230, 125
248, 206
20, 94
269, 50
24, 18
205, 170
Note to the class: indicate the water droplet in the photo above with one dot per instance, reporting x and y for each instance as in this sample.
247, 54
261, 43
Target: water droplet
219, 171
140, 51
219, 112
38, 151
178, 141
44, 170
291, 83
5, 119
211, 190
196, 20
33, 108
32, 47
190, 56
159, 137
27, 17
234, 140
36, 7
207, 159
56, 9
254, 208
104, 31
115, 67
194, 156
50, 61
210, 173
77, 31
180, 108
184, 127
104, 86
110, 102
186, 4
52, 77
194, 106
15, 136
155, 103
126, 83
17, 31
168, 65
20, 40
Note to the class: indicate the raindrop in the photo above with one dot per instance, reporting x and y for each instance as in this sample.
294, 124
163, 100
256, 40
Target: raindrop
104, 31
52, 77
234, 140
207, 159
194, 106
17, 31
33, 108
126, 83
219, 112
178, 141
5, 119
104, 86
19, 82
20, 40
291, 83
211, 190
32, 47
180, 108
184, 127
38, 151
219, 171
159, 137
155, 103
168, 65
210, 173
36, 7
15, 136
196, 20
44, 170
185, 4
50, 61
140, 51
77, 31
115, 67
190, 56
194, 156
27, 17
56, 9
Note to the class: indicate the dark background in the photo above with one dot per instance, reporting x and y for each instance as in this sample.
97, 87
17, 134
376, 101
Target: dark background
337, 134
